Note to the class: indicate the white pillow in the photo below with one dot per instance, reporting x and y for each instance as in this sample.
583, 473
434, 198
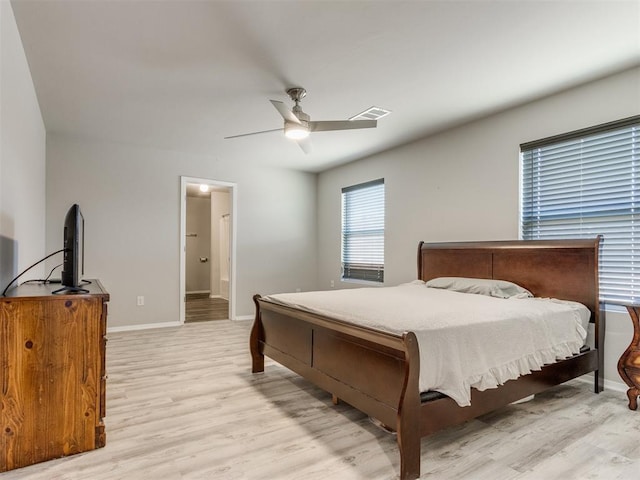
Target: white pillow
481, 286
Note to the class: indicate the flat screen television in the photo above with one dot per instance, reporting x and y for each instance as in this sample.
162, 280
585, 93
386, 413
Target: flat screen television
73, 256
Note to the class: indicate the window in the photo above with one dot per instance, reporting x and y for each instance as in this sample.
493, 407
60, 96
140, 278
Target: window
587, 183
363, 231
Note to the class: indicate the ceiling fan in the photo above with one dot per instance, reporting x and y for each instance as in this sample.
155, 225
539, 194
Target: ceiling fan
298, 125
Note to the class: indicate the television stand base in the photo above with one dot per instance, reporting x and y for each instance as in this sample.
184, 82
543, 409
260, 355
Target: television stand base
70, 290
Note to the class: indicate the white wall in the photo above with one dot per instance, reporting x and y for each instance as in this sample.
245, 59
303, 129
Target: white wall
130, 197
197, 278
22, 159
463, 184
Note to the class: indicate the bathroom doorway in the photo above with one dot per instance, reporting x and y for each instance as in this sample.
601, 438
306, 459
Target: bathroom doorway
207, 250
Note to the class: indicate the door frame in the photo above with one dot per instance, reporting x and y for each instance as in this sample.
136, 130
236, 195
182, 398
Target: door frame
233, 211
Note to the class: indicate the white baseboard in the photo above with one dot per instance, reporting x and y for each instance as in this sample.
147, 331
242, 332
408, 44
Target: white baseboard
148, 326
197, 291
615, 386
608, 384
144, 326
216, 296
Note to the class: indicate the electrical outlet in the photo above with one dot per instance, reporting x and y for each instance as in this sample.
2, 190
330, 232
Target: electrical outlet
140, 300
332, 285
297, 290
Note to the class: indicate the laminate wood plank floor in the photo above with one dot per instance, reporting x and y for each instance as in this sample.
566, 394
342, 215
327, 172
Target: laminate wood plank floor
199, 307
182, 404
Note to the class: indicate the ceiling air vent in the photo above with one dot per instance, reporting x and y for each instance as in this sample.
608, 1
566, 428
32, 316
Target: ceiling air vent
372, 113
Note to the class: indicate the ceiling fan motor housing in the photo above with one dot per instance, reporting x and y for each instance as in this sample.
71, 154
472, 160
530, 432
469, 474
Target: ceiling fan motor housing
297, 94
303, 117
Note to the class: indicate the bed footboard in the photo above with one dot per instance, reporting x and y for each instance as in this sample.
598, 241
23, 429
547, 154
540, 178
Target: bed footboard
384, 385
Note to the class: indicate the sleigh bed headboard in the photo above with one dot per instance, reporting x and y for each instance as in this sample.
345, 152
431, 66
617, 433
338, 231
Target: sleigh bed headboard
564, 269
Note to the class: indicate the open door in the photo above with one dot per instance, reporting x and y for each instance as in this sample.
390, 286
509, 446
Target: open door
220, 257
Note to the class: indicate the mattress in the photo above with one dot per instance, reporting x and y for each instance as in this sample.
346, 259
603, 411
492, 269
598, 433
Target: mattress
465, 340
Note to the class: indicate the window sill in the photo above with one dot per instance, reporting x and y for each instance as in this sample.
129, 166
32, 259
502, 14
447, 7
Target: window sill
363, 282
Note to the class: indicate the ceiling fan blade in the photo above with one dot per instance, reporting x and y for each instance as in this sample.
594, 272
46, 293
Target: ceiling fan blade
341, 125
305, 145
287, 114
255, 133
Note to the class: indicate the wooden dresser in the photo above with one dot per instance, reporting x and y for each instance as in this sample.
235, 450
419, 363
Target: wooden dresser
52, 373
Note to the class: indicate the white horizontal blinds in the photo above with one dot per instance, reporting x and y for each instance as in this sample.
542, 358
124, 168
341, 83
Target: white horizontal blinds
363, 231
585, 184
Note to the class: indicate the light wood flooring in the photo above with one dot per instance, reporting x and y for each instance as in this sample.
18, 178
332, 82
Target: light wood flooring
182, 404
199, 307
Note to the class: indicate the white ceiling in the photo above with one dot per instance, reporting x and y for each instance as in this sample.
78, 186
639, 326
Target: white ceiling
181, 75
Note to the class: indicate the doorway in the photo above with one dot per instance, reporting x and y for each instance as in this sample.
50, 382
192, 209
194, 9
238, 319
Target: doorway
207, 250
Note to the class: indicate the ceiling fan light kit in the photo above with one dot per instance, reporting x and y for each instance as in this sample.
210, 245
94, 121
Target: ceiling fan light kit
295, 131
298, 125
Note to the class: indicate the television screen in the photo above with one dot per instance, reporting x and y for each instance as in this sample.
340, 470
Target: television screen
73, 256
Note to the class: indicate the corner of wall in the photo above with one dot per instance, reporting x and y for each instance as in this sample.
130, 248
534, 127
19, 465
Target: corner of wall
22, 156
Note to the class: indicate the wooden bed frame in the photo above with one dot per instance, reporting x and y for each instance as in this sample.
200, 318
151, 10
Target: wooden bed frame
385, 384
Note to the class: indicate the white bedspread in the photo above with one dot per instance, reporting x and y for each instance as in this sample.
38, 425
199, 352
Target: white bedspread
465, 340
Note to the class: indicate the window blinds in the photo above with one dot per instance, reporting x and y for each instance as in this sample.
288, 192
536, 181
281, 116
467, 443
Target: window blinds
584, 184
363, 231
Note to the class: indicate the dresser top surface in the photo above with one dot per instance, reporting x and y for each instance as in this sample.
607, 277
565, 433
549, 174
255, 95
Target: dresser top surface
32, 290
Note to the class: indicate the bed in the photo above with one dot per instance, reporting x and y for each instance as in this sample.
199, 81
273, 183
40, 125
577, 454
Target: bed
385, 386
